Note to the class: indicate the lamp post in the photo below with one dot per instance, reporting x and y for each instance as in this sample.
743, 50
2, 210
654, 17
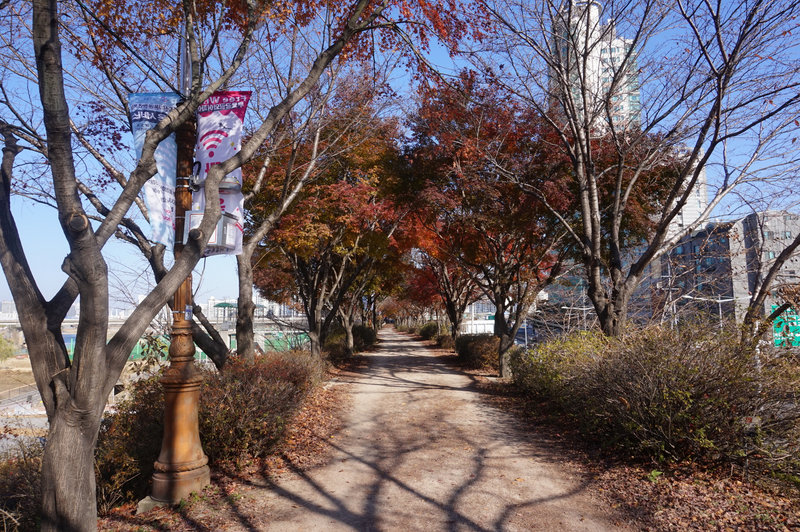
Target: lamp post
182, 466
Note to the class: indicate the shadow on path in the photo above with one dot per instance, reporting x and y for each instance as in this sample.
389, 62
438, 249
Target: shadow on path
419, 450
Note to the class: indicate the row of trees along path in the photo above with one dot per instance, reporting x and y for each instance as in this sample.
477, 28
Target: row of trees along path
420, 451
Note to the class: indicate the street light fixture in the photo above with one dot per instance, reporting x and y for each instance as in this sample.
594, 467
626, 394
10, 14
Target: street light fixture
182, 466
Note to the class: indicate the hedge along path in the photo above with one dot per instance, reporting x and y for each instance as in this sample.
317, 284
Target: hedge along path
420, 451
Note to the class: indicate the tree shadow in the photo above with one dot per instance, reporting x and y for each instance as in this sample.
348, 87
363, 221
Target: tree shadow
440, 465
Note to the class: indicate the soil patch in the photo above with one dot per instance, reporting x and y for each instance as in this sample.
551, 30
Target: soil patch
14, 378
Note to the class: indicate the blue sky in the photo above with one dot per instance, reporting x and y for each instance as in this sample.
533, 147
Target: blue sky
46, 246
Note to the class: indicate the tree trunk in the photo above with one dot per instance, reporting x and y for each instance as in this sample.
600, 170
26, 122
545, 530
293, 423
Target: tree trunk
314, 340
612, 323
347, 322
500, 333
454, 327
245, 332
69, 501
208, 339
612, 312
506, 341
455, 318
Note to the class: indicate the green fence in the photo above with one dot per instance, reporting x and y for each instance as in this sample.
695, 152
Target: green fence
159, 345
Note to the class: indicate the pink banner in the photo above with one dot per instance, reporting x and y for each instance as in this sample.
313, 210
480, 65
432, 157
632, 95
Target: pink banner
219, 137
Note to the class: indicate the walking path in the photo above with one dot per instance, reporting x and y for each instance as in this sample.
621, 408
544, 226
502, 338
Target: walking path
420, 451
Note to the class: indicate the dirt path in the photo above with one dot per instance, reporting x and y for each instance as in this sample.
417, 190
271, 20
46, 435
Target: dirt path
420, 452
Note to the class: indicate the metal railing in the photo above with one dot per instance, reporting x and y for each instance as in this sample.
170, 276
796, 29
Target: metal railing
19, 392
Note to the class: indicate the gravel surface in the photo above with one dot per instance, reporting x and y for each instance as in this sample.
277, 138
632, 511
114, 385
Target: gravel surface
420, 451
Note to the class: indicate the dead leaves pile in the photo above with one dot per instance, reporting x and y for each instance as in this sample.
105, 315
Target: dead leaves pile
692, 498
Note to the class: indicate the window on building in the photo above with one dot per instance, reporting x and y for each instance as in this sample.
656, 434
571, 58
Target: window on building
787, 234
770, 254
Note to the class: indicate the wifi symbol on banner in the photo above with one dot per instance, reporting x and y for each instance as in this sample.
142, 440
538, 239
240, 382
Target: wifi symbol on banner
212, 139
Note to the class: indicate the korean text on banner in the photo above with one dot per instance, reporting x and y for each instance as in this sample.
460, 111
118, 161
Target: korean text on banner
219, 137
147, 109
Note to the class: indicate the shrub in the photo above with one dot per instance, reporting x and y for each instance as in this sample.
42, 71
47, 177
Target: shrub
670, 395
545, 370
429, 331
335, 346
364, 337
445, 341
20, 486
244, 411
478, 351
128, 444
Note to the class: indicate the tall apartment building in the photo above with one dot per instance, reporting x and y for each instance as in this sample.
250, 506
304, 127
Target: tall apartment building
590, 58
600, 68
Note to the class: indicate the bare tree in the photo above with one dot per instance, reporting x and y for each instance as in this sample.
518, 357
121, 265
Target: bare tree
679, 88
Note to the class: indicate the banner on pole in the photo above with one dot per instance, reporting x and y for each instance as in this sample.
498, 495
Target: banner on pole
219, 137
219, 133
147, 109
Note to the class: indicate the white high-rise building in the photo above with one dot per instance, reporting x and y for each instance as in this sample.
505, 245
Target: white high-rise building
600, 68
597, 65
693, 208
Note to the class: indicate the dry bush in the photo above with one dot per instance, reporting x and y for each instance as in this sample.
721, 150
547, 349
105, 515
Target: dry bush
445, 341
244, 412
128, 445
335, 346
693, 393
20, 485
478, 351
364, 337
429, 331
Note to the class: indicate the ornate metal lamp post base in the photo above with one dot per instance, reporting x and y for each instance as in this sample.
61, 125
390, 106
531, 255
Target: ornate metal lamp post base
181, 467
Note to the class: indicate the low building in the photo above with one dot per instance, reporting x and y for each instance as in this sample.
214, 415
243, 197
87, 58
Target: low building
719, 267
